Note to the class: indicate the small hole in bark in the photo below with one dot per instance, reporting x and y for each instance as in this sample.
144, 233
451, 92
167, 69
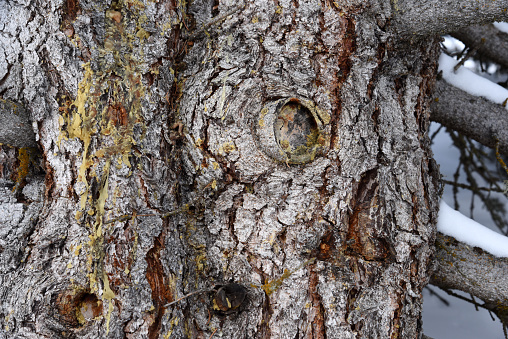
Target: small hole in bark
295, 129
88, 307
76, 309
228, 298
297, 132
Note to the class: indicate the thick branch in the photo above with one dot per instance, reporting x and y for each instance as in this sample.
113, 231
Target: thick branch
15, 126
423, 18
491, 42
473, 116
474, 271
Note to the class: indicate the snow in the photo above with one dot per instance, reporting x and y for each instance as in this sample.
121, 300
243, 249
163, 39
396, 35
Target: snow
502, 26
457, 225
452, 45
470, 82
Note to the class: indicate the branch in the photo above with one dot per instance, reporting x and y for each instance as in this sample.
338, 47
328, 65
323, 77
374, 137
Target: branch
476, 117
491, 42
15, 126
474, 271
437, 17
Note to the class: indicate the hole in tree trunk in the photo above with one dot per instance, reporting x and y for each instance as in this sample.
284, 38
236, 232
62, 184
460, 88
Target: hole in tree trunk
295, 129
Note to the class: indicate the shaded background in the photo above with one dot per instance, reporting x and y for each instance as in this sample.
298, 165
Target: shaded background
459, 319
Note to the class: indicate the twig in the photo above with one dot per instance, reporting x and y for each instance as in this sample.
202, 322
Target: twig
465, 299
469, 187
212, 22
285, 275
189, 295
468, 55
498, 157
434, 293
491, 316
475, 306
161, 215
436, 133
209, 318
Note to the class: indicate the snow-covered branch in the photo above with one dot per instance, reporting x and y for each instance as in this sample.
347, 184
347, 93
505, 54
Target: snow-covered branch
474, 116
472, 270
489, 41
455, 224
423, 18
462, 260
15, 126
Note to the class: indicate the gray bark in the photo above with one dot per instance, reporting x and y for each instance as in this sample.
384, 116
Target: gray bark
488, 40
459, 266
287, 140
97, 79
363, 207
414, 18
476, 117
15, 125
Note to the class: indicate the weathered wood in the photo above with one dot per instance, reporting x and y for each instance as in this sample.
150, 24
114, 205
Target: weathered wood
364, 207
478, 118
273, 155
474, 271
490, 42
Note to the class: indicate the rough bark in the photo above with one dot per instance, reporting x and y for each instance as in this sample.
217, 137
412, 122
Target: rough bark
15, 125
363, 208
488, 40
476, 117
472, 270
97, 79
288, 140
414, 18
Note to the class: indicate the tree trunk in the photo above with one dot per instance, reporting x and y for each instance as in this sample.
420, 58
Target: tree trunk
271, 155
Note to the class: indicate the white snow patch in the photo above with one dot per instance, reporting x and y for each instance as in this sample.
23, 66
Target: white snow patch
470, 82
462, 228
502, 26
453, 45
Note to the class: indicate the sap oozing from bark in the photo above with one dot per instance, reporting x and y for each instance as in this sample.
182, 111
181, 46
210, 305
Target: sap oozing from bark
321, 82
